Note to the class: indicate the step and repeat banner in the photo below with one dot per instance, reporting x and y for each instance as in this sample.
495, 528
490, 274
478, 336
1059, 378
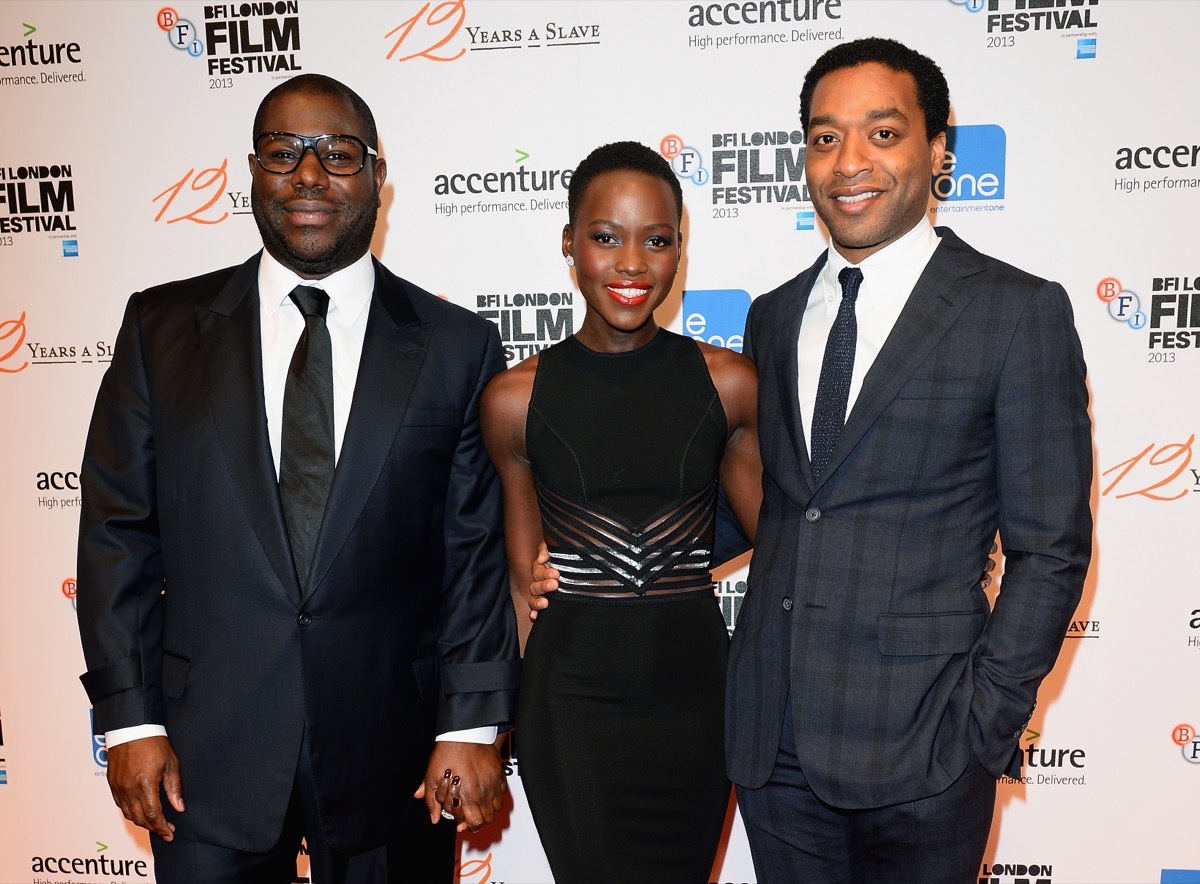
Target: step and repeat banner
1075, 154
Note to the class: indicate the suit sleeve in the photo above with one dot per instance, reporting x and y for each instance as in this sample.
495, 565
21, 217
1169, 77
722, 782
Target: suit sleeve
478, 650
1043, 456
120, 570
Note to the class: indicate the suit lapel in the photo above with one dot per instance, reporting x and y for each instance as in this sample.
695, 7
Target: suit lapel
393, 351
935, 304
797, 484
231, 344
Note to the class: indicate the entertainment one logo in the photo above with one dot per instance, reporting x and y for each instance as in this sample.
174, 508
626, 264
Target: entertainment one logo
99, 750
237, 38
716, 316
25, 64
1016, 873
37, 198
440, 32
1185, 737
528, 321
973, 167
1173, 320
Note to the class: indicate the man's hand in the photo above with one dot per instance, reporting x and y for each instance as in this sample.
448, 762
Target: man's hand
136, 770
466, 781
545, 580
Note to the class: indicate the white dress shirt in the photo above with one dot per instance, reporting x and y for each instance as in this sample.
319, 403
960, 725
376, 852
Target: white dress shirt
349, 291
889, 277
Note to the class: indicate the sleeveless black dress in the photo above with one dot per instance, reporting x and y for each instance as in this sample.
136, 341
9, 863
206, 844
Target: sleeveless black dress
620, 723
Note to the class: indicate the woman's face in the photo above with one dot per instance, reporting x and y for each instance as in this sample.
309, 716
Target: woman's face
626, 247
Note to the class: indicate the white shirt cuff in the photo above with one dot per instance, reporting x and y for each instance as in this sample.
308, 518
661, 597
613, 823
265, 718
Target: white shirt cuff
129, 734
470, 735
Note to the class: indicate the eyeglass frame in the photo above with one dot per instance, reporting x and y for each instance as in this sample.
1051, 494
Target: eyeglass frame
309, 142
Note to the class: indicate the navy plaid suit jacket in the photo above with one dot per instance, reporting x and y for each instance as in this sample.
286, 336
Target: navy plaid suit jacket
864, 600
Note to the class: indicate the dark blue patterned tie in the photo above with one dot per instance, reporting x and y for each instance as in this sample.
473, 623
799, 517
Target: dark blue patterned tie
306, 458
833, 390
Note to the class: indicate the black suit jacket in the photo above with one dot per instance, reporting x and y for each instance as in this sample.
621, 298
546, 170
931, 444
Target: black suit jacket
190, 610
864, 600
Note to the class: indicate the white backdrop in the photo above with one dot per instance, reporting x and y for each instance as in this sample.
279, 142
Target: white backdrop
122, 164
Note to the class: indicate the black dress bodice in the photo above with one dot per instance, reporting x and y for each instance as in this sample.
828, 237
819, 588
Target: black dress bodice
624, 449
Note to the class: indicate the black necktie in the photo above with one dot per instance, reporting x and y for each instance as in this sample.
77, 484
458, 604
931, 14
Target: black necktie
833, 390
306, 457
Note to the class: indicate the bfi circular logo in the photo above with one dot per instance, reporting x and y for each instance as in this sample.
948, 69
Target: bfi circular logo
1123, 304
1184, 736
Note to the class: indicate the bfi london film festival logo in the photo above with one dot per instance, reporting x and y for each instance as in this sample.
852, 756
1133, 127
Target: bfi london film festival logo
1009, 23
38, 198
1185, 737
237, 38
528, 321
441, 32
1172, 322
972, 172
1016, 873
747, 168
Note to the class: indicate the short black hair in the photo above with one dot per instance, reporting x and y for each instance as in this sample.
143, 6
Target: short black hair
319, 84
933, 94
618, 157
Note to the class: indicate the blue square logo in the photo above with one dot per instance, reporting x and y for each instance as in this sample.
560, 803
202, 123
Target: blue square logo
806, 221
70, 248
1085, 47
717, 316
974, 165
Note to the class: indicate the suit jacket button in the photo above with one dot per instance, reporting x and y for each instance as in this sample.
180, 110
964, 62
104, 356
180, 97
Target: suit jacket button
812, 514
787, 603
304, 619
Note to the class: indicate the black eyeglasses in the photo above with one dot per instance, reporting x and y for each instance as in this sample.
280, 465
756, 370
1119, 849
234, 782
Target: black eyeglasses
281, 152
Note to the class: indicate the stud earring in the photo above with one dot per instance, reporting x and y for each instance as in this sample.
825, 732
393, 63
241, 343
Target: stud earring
570, 261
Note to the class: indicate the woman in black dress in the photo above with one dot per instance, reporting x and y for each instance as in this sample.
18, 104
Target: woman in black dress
610, 446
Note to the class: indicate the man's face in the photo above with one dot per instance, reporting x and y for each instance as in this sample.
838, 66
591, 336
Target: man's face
313, 222
868, 162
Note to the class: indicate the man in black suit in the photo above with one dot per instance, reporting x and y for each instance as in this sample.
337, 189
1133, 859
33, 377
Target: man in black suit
273, 644
915, 398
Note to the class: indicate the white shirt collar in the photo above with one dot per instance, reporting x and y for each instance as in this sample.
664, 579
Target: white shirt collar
349, 289
917, 245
